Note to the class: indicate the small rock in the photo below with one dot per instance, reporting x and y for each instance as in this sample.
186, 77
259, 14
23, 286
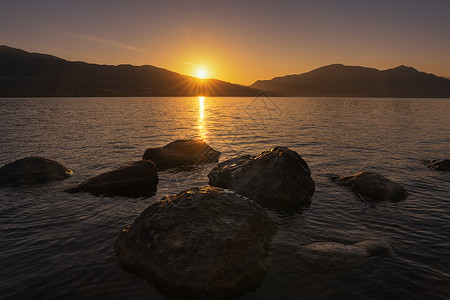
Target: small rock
182, 153
329, 256
138, 179
203, 243
373, 186
278, 178
31, 170
439, 164
375, 247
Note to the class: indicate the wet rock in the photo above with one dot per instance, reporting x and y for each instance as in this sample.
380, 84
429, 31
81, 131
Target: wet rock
439, 164
278, 178
373, 186
203, 243
31, 170
138, 179
328, 256
182, 153
375, 247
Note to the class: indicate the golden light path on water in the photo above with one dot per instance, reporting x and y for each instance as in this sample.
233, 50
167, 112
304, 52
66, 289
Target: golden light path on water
201, 118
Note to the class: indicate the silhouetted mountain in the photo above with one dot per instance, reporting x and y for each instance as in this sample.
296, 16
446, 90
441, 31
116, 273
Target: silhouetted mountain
24, 74
348, 81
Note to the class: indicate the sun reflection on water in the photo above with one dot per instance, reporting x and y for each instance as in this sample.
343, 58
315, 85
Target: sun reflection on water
201, 108
201, 118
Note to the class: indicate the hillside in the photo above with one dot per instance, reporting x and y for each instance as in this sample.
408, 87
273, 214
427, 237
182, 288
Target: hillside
350, 81
24, 74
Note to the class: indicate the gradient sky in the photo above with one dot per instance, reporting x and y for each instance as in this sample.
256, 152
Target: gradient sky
237, 41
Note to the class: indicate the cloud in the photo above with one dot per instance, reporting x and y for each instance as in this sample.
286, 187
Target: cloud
104, 41
184, 62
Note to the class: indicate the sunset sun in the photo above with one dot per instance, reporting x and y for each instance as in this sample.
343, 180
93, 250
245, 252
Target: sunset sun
201, 73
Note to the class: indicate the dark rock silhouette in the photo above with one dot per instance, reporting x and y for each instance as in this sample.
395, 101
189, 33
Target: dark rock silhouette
31, 170
182, 153
329, 256
439, 164
351, 81
24, 74
373, 186
203, 243
278, 178
138, 179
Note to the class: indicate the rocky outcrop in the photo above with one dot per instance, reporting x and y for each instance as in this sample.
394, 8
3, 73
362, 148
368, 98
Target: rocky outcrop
278, 178
31, 170
439, 164
182, 153
203, 243
373, 186
328, 256
138, 179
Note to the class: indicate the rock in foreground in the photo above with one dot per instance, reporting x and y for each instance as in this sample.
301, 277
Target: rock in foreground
203, 243
138, 179
278, 178
374, 186
182, 153
31, 170
439, 164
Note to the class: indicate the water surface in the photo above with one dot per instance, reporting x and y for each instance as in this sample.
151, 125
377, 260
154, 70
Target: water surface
56, 245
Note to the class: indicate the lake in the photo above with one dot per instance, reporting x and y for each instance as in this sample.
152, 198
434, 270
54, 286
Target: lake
56, 245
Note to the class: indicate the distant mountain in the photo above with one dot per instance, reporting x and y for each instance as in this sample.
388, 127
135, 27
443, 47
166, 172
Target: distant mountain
24, 74
348, 81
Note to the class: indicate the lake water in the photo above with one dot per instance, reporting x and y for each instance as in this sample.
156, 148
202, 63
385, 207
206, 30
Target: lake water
55, 245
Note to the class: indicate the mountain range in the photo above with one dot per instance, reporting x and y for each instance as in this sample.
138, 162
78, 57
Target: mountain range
24, 74
352, 81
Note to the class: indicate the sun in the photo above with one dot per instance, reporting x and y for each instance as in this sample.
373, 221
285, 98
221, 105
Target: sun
201, 73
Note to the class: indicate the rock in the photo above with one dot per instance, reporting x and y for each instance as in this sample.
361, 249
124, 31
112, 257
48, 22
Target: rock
31, 170
278, 178
203, 243
182, 153
138, 179
439, 164
375, 247
329, 256
373, 186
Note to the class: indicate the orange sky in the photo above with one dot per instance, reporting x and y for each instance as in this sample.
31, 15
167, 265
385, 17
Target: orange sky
237, 41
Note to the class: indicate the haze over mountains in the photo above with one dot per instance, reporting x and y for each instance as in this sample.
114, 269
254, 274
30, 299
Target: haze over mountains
24, 74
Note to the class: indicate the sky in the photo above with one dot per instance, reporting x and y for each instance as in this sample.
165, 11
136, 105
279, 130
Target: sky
236, 41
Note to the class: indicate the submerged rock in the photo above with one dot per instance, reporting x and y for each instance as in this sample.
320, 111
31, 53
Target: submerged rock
138, 179
439, 164
378, 247
203, 243
182, 153
278, 178
329, 256
31, 170
373, 186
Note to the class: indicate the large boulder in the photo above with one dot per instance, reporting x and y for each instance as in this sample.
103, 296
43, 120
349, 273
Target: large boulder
278, 178
31, 170
329, 256
182, 153
439, 164
203, 243
138, 179
373, 186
